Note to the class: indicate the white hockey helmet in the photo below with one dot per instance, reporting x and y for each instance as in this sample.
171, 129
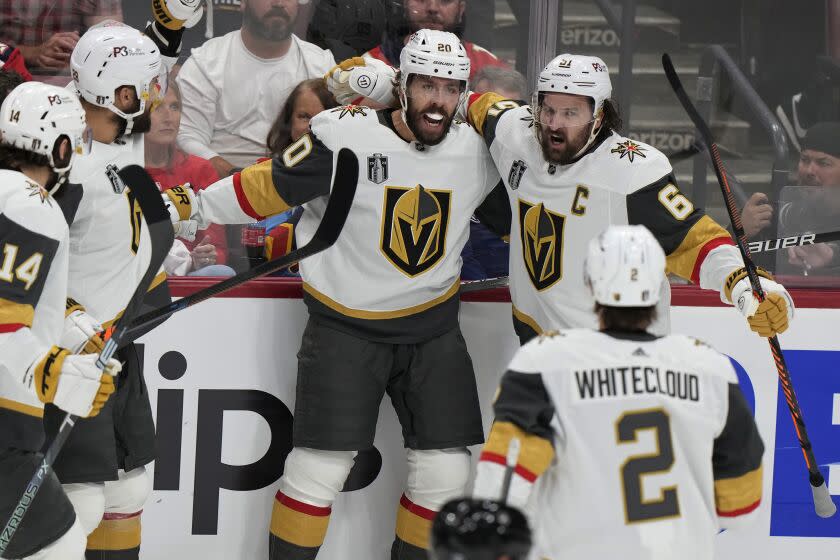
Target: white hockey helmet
35, 117
108, 57
576, 75
439, 54
625, 267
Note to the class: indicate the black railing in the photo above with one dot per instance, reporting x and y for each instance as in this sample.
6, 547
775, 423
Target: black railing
714, 60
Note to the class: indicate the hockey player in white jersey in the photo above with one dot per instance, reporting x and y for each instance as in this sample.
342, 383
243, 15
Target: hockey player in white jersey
569, 174
42, 128
119, 75
383, 301
646, 439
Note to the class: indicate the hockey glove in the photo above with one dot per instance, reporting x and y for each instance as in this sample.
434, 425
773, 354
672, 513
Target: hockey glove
180, 201
768, 318
177, 14
82, 333
72, 382
357, 77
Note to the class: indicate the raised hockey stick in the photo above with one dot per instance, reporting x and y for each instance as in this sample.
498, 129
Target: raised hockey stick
823, 504
161, 236
335, 214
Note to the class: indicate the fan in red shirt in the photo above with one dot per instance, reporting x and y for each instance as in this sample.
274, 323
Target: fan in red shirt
12, 61
442, 15
169, 167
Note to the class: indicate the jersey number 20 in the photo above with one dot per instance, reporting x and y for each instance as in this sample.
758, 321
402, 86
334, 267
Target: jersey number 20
636, 508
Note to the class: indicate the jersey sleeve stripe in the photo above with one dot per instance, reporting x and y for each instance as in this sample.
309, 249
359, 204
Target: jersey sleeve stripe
478, 107
13, 314
244, 204
489, 457
535, 453
686, 259
738, 495
258, 187
22, 408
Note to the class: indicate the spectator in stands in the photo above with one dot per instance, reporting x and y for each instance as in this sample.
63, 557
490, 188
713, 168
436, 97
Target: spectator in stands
46, 31
234, 86
12, 61
8, 82
817, 211
506, 82
309, 98
170, 167
445, 15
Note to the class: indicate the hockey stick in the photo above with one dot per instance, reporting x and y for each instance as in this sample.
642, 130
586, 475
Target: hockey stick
765, 245
338, 206
468, 286
823, 504
161, 236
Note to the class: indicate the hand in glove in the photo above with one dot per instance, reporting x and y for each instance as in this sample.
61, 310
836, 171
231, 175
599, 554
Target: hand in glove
177, 14
357, 77
180, 201
82, 333
72, 382
769, 317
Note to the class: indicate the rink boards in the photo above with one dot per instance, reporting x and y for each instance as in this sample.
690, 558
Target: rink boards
221, 377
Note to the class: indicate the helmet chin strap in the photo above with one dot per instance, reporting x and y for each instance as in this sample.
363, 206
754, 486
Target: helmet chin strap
592, 134
56, 182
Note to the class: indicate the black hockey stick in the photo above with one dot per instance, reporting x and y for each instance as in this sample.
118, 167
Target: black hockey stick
766, 245
161, 235
823, 504
338, 206
468, 286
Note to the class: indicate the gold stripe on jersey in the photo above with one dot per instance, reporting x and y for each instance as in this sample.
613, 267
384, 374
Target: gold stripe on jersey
362, 314
535, 453
258, 188
738, 495
479, 109
523, 318
27, 409
13, 313
683, 260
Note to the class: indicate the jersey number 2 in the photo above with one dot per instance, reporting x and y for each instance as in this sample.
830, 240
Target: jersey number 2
636, 508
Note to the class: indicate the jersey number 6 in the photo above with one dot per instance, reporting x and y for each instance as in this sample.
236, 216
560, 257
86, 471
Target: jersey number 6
636, 508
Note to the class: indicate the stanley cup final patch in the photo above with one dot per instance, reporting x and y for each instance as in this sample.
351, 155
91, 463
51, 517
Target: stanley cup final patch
377, 168
517, 170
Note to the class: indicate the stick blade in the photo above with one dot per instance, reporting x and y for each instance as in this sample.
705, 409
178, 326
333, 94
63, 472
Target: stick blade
823, 504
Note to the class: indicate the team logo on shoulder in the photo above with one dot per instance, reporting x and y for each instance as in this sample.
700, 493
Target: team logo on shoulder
351, 110
414, 225
517, 170
541, 231
37, 190
377, 168
111, 171
629, 149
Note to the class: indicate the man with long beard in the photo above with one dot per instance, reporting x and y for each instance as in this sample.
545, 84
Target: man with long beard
383, 301
119, 75
226, 123
569, 174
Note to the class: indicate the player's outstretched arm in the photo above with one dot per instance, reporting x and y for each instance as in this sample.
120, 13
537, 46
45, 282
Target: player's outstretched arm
170, 18
736, 464
700, 250
523, 412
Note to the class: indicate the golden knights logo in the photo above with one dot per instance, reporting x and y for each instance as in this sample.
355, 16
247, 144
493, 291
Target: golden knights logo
629, 149
351, 110
414, 224
377, 168
517, 170
541, 231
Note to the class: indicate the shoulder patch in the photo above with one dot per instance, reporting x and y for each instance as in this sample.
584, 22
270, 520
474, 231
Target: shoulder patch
350, 110
629, 149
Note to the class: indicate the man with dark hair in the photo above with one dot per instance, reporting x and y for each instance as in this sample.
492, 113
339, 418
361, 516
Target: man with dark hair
224, 122
443, 15
574, 404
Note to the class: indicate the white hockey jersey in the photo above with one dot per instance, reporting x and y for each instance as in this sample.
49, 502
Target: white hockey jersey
647, 440
556, 210
109, 245
33, 289
393, 275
